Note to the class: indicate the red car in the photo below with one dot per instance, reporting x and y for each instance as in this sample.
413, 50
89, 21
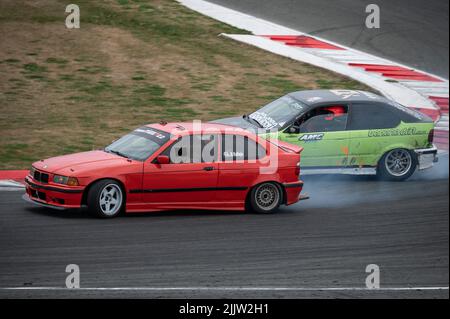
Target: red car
172, 166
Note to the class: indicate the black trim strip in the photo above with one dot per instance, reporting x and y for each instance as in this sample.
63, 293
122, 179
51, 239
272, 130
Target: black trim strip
54, 189
419, 152
335, 167
294, 185
176, 190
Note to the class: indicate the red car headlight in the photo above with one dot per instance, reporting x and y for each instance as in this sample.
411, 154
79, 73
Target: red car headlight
65, 180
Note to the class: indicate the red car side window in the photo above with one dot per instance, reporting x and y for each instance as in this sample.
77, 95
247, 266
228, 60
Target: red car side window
185, 149
239, 147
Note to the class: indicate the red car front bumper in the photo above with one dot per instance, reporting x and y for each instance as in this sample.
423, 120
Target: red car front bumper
52, 195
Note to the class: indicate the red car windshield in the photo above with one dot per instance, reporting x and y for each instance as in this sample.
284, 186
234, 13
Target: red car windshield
139, 144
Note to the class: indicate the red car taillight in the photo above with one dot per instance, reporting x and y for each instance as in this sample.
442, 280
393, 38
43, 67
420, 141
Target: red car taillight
431, 136
297, 169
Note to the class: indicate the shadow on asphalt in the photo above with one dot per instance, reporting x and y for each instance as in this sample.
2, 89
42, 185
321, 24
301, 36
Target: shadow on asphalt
70, 213
84, 214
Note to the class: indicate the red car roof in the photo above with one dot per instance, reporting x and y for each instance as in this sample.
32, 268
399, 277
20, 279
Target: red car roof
183, 128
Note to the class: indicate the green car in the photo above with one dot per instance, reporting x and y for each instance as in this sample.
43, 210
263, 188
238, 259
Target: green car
347, 132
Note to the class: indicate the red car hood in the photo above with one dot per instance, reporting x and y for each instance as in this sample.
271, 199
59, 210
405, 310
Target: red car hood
79, 163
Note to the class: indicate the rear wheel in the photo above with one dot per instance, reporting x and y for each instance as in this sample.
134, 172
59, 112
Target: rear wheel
397, 165
265, 198
105, 199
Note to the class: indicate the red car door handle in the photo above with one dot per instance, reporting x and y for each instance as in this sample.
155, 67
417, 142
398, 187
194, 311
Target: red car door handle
208, 168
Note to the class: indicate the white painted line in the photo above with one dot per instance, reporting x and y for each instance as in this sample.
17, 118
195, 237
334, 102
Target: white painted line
11, 185
442, 85
11, 189
237, 19
228, 288
433, 91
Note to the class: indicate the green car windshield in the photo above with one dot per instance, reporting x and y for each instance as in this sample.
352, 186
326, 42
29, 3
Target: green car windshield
278, 112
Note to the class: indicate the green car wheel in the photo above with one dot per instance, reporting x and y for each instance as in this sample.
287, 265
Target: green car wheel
397, 165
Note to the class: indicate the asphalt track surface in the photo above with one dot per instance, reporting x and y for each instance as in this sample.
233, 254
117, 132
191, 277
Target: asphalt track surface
412, 32
325, 242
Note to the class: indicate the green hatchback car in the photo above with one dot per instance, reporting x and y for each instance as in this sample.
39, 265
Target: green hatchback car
347, 132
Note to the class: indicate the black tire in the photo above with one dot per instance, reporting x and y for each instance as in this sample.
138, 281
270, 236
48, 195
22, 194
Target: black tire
265, 198
408, 165
98, 199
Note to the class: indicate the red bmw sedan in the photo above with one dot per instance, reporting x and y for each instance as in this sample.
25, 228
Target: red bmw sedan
171, 166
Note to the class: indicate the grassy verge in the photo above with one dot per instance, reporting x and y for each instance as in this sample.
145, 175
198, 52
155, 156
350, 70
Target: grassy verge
131, 62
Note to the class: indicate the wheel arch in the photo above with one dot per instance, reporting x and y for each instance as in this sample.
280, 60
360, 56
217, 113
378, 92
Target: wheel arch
392, 147
88, 187
283, 191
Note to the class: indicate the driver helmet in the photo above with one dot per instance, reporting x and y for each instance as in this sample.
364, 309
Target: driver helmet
336, 111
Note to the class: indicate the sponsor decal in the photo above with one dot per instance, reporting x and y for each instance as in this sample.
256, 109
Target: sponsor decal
314, 99
265, 120
395, 132
346, 94
233, 154
150, 132
296, 106
311, 137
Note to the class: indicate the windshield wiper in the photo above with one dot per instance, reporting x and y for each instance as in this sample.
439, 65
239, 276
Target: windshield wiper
117, 153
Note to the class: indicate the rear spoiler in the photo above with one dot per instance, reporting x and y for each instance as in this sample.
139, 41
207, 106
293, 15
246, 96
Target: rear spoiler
287, 147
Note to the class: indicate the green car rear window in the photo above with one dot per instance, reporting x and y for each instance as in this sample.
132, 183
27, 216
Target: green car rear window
372, 116
368, 116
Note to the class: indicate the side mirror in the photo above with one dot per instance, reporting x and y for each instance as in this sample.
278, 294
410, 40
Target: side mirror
293, 130
163, 159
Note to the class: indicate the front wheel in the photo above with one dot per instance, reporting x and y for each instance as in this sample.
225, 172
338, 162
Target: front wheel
397, 165
105, 199
265, 198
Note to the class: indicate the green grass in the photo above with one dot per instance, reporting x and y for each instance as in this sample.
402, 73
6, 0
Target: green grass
132, 62
57, 61
12, 60
34, 68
